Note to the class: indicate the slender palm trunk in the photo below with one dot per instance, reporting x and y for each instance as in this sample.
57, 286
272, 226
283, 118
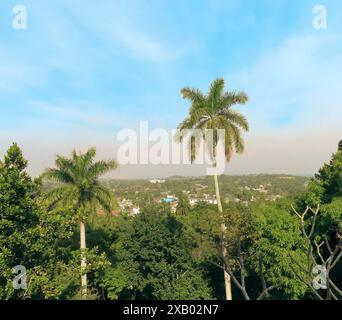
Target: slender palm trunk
83, 260
227, 280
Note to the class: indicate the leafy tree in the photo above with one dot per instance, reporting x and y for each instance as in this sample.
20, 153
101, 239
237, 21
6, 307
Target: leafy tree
277, 238
31, 237
18, 216
214, 111
201, 227
153, 261
323, 254
325, 189
80, 189
331, 217
266, 231
327, 183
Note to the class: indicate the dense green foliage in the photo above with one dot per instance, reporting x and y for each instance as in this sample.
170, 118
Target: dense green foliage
158, 254
277, 236
327, 183
153, 261
326, 189
31, 237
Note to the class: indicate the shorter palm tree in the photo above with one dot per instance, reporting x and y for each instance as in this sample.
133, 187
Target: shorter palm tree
183, 207
79, 188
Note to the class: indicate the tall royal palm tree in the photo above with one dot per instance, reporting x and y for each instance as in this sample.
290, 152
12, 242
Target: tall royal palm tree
80, 189
214, 111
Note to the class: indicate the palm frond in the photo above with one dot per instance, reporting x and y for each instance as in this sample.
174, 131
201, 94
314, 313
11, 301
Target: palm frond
187, 123
100, 168
104, 198
237, 138
194, 95
64, 195
194, 141
215, 92
228, 142
87, 158
231, 98
236, 118
63, 163
57, 175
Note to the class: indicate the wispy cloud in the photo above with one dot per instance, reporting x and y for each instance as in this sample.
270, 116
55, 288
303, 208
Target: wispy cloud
120, 34
18, 74
84, 113
295, 83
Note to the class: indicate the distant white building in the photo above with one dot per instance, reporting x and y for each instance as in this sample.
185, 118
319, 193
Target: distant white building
125, 203
135, 210
154, 181
261, 189
212, 201
193, 201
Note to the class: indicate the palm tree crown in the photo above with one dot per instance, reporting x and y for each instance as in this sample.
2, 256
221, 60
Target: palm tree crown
79, 178
214, 111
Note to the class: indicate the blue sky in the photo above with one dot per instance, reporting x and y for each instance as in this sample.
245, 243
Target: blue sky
85, 69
